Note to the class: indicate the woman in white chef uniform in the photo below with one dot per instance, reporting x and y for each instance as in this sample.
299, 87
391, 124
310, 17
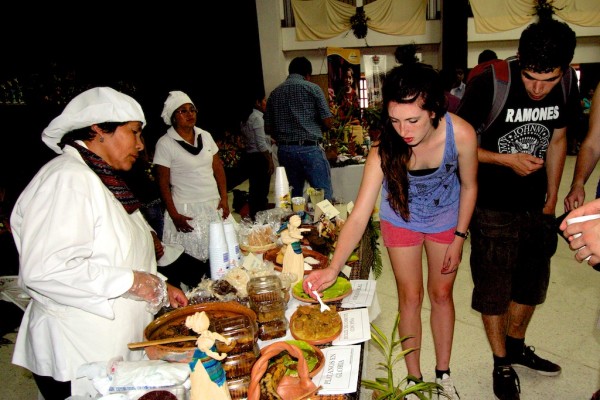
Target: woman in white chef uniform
191, 178
86, 253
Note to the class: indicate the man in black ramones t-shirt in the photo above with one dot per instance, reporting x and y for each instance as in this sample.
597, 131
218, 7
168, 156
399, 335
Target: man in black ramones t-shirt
521, 158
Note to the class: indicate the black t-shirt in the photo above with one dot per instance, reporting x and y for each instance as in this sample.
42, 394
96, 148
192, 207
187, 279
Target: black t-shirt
523, 126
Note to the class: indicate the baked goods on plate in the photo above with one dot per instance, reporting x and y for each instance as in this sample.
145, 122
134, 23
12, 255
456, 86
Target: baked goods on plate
312, 259
308, 323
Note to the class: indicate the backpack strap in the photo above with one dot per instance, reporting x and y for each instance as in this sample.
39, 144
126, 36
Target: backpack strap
501, 79
566, 82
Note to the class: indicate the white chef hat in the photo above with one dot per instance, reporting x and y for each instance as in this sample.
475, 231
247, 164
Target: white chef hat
175, 100
94, 106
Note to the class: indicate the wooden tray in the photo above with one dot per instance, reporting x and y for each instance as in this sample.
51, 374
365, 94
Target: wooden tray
271, 255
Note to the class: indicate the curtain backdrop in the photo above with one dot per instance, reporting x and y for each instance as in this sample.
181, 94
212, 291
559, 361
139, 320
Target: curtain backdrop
502, 15
324, 19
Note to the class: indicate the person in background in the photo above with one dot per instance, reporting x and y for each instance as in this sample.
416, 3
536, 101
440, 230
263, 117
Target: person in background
587, 157
586, 102
296, 113
459, 85
347, 97
191, 178
259, 162
520, 166
96, 270
447, 77
426, 204
178, 266
485, 58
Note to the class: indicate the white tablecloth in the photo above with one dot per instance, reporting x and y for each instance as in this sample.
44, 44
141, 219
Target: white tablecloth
346, 181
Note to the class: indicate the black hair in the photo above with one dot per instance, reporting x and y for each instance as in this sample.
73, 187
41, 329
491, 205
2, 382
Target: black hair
406, 84
406, 54
300, 65
248, 103
486, 55
87, 133
546, 45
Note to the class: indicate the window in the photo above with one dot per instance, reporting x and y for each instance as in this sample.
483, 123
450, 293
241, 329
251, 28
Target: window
363, 92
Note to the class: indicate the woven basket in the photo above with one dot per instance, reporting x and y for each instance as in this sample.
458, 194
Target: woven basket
257, 249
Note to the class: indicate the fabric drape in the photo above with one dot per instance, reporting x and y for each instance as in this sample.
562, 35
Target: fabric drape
324, 19
492, 16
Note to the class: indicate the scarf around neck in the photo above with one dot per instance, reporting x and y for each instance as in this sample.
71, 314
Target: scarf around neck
109, 177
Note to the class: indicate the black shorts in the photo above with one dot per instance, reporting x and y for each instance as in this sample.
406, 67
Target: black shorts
510, 258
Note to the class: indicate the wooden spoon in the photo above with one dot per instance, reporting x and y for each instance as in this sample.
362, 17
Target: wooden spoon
147, 343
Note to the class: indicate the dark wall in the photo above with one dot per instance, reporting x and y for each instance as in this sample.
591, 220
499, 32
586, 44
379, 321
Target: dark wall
209, 50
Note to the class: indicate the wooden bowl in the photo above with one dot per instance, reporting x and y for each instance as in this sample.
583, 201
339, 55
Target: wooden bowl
315, 340
172, 324
271, 255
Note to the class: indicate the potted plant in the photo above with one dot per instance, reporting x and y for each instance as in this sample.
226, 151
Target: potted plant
386, 388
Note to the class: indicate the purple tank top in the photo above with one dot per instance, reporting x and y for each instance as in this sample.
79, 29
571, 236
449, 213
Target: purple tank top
433, 199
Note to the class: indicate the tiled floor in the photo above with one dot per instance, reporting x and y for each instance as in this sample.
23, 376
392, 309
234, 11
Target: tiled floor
564, 329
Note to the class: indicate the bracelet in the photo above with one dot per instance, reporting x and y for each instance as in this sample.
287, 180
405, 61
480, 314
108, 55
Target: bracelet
463, 235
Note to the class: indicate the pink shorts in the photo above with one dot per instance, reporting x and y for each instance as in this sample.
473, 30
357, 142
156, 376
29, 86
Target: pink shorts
394, 236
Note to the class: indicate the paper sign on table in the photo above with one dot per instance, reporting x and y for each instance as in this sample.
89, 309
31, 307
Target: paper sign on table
363, 291
355, 327
349, 207
340, 373
251, 262
325, 207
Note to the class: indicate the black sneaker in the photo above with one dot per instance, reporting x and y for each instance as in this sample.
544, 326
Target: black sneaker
506, 383
528, 359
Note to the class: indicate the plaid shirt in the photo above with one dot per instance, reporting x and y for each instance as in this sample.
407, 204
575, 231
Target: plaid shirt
296, 109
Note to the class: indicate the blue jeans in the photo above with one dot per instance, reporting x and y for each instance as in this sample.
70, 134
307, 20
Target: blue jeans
306, 163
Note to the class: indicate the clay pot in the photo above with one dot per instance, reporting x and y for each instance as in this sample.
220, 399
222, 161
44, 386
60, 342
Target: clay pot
172, 324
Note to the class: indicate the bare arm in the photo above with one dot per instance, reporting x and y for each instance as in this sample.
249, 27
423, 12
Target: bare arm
164, 184
523, 164
555, 162
354, 227
219, 172
466, 143
587, 158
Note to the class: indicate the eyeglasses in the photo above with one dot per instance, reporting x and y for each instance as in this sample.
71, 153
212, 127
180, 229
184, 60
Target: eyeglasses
184, 111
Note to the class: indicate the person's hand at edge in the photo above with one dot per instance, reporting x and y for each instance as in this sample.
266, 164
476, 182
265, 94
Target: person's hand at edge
176, 296
320, 279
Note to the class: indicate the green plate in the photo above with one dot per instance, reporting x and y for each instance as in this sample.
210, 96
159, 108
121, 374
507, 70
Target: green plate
340, 289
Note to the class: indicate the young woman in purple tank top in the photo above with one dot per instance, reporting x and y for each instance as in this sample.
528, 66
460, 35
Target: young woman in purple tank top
426, 204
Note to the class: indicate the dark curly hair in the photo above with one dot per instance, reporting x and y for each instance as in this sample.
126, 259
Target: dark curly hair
406, 84
546, 45
87, 133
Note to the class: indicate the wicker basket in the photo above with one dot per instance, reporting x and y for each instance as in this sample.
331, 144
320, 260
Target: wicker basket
257, 249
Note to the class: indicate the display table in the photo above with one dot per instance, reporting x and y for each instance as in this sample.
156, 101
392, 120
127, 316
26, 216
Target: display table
346, 182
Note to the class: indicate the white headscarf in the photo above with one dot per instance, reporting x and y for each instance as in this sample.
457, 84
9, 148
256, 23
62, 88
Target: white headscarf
175, 100
94, 106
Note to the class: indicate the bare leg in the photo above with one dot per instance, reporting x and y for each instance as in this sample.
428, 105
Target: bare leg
406, 263
495, 329
519, 318
439, 288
